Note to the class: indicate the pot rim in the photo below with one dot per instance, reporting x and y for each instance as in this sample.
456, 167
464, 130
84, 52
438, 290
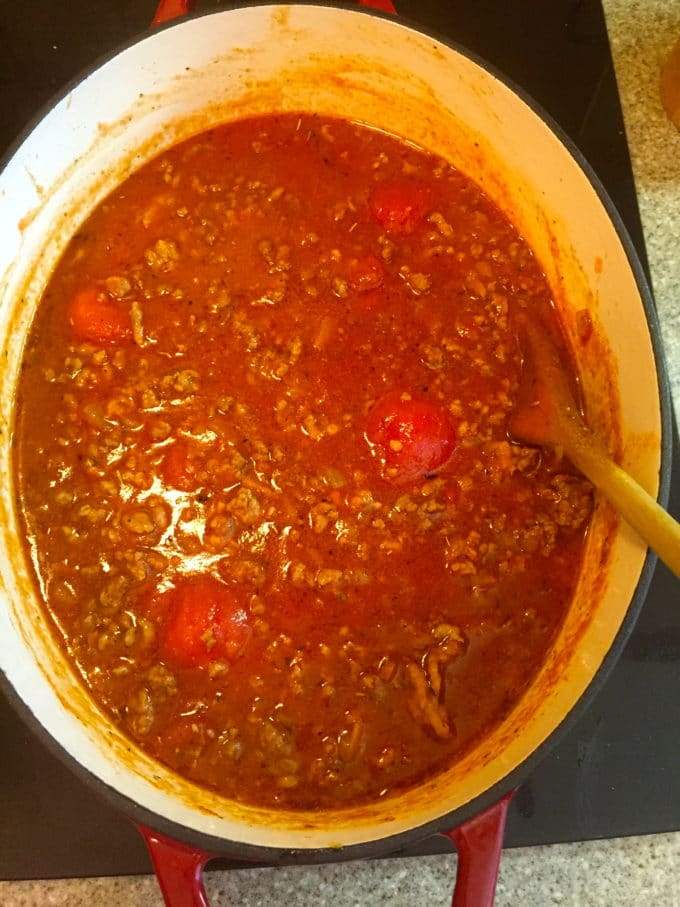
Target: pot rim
224, 847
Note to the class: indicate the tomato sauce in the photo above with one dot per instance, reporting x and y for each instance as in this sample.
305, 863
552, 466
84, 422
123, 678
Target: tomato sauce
263, 462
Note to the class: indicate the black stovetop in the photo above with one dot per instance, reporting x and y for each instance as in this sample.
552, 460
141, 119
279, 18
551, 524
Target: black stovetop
615, 773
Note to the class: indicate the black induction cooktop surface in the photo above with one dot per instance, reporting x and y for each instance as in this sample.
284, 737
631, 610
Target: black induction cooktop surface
615, 772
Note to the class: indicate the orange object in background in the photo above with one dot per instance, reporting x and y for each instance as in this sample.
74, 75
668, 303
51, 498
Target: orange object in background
670, 85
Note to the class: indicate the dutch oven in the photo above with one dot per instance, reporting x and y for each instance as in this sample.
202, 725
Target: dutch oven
363, 65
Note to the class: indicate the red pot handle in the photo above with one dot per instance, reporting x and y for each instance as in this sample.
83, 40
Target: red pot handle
479, 842
385, 6
171, 9
179, 869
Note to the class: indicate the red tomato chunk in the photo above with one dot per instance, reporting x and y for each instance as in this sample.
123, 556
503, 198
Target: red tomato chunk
399, 207
98, 319
205, 622
263, 464
411, 436
176, 468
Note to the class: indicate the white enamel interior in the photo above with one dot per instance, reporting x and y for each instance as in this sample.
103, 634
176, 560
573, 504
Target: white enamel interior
351, 64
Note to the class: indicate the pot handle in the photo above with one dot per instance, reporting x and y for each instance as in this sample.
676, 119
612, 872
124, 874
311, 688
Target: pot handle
178, 867
479, 842
385, 6
172, 9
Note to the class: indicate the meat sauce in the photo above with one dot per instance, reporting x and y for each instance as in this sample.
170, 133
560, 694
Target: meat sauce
263, 461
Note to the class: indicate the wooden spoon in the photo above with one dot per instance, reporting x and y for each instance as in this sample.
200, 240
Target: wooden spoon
670, 85
548, 415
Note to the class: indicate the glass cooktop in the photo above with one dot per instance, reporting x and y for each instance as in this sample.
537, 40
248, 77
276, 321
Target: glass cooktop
615, 772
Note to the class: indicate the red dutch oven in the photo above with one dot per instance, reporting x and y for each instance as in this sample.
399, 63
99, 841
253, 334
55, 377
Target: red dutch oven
366, 66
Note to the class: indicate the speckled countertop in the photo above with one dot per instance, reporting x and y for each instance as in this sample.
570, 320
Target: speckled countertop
626, 872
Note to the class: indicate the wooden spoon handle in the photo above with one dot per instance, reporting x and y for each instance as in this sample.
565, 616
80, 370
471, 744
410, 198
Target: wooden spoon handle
547, 414
651, 522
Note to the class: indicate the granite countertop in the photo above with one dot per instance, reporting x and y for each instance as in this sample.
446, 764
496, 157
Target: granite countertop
622, 872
